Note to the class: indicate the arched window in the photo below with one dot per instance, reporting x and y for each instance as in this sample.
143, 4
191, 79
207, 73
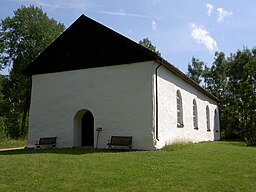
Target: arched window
179, 110
216, 126
195, 117
208, 118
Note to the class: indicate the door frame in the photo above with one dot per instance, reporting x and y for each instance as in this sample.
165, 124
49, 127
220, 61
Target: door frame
77, 127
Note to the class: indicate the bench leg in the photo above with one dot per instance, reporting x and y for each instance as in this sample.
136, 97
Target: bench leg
109, 144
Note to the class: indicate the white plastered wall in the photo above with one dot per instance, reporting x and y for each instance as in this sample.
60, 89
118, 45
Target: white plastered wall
168, 84
119, 97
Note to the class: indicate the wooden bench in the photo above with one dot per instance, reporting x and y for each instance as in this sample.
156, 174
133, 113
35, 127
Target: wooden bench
48, 141
250, 141
120, 141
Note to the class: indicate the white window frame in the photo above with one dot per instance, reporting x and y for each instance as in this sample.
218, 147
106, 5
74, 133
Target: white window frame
179, 109
216, 121
195, 115
208, 118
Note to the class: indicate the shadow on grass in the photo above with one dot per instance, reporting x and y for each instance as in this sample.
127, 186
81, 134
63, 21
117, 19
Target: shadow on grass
238, 143
68, 151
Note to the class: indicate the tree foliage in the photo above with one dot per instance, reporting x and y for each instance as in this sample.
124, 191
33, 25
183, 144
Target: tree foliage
147, 43
22, 38
233, 80
195, 70
2, 126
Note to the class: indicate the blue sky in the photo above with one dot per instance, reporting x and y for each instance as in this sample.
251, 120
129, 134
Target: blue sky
179, 29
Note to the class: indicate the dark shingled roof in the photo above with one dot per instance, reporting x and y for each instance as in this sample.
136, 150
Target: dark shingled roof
88, 44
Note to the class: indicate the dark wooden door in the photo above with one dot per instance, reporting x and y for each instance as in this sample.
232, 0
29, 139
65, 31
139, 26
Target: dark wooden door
87, 129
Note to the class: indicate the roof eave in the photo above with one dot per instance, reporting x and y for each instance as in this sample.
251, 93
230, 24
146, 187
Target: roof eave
187, 79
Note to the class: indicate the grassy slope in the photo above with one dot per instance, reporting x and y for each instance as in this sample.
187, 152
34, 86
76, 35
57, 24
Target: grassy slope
9, 143
216, 166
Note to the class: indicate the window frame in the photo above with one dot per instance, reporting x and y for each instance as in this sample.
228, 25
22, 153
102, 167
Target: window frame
216, 121
195, 115
208, 119
179, 109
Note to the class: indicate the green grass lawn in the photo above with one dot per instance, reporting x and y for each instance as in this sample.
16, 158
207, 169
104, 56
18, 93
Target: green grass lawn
213, 166
9, 143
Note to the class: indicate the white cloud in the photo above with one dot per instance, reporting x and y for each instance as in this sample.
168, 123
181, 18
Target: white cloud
121, 12
59, 4
223, 13
154, 25
209, 9
202, 36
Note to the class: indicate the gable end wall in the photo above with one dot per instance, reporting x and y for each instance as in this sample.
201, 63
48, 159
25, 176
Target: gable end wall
119, 97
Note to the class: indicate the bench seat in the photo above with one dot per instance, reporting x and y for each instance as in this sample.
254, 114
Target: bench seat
46, 141
120, 141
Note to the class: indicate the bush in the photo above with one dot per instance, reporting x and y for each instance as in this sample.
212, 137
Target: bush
10, 143
2, 129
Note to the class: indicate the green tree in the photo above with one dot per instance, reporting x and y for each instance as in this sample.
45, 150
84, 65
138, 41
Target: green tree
23, 37
147, 43
216, 76
2, 126
241, 75
216, 81
196, 69
233, 80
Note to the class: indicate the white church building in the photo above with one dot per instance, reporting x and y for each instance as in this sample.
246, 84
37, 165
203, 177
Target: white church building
92, 77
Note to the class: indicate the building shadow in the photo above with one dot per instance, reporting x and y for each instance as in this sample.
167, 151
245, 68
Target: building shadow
234, 142
68, 151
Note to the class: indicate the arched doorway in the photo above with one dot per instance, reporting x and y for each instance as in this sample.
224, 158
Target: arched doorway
83, 128
87, 129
